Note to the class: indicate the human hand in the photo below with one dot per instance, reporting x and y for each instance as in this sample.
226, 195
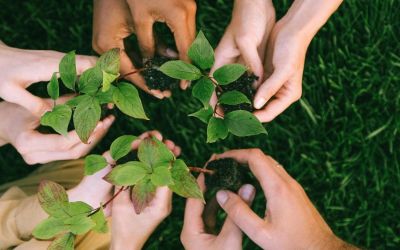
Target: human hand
289, 212
129, 229
18, 128
21, 68
285, 56
194, 235
118, 19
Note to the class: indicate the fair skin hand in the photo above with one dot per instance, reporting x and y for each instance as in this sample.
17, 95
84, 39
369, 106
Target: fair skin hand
246, 36
289, 212
285, 55
118, 19
131, 230
194, 234
21, 68
19, 129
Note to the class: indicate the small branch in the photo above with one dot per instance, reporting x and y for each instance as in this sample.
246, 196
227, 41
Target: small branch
216, 84
131, 73
107, 202
201, 170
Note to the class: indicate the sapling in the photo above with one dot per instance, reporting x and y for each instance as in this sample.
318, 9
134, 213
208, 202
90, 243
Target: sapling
96, 86
237, 119
154, 167
154, 78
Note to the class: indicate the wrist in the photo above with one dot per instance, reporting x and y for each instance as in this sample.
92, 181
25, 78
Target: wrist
129, 243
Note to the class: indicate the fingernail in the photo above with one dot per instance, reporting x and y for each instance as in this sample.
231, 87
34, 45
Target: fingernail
171, 53
110, 120
259, 102
247, 192
222, 197
157, 94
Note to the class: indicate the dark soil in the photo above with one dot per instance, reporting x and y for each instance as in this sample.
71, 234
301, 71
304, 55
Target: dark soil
244, 85
228, 174
155, 79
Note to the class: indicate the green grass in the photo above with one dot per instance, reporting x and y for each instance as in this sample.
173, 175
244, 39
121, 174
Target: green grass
341, 141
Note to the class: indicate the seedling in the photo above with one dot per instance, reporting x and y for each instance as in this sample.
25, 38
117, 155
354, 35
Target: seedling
95, 87
226, 174
236, 121
155, 79
156, 166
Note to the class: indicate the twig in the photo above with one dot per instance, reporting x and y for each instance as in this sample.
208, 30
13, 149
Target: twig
201, 170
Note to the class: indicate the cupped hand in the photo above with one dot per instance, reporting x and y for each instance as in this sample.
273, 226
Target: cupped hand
129, 229
21, 68
19, 129
118, 19
289, 212
194, 234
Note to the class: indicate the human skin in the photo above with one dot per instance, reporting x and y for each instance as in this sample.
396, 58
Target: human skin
115, 20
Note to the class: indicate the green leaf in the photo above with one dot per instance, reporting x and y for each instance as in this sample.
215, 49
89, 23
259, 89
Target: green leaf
153, 152
128, 174
78, 208
72, 103
201, 52
49, 228
127, 99
86, 116
229, 73
161, 175
63, 242
216, 130
203, 115
79, 224
90, 80
107, 80
203, 90
233, 97
94, 163
100, 219
184, 183
53, 199
121, 146
58, 118
53, 88
67, 69
110, 61
180, 70
142, 194
243, 123
106, 97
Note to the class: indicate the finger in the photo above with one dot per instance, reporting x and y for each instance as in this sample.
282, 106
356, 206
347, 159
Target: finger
225, 53
274, 108
262, 166
270, 87
193, 222
152, 133
84, 62
108, 157
163, 50
249, 53
101, 130
163, 199
170, 144
177, 151
144, 33
242, 215
230, 230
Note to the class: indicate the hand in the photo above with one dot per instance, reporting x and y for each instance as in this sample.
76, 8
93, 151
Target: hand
194, 235
118, 19
18, 128
129, 229
289, 213
285, 56
21, 68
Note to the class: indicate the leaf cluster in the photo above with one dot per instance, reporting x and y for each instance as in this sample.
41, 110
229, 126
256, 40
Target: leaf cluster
96, 86
66, 219
239, 122
156, 166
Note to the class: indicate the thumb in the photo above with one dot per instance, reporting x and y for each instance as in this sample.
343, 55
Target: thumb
241, 214
252, 58
270, 87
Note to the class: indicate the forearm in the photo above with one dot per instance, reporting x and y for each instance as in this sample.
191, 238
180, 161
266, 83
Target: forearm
306, 17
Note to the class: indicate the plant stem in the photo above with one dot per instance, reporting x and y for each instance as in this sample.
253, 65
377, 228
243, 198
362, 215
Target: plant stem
131, 73
107, 202
201, 170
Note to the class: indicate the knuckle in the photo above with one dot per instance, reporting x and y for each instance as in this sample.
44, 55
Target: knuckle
29, 160
21, 143
191, 6
256, 152
101, 44
75, 154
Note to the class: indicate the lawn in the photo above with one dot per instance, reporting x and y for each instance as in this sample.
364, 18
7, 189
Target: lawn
340, 141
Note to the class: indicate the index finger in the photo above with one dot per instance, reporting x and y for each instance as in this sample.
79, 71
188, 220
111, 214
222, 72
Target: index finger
193, 221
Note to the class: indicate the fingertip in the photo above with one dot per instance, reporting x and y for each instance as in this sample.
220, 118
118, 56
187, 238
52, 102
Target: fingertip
222, 197
247, 192
259, 102
177, 151
157, 93
184, 84
167, 93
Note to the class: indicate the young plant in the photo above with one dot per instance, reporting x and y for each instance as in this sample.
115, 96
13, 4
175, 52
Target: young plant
66, 219
96, 86
238, 122
156, 166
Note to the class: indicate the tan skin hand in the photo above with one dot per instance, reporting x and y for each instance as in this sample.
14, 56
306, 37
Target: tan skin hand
131, 230
118, 19
194, 235
289, 212
19, 129
21, 68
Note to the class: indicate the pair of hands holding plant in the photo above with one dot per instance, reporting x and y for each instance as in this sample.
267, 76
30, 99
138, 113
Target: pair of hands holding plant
274, 51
